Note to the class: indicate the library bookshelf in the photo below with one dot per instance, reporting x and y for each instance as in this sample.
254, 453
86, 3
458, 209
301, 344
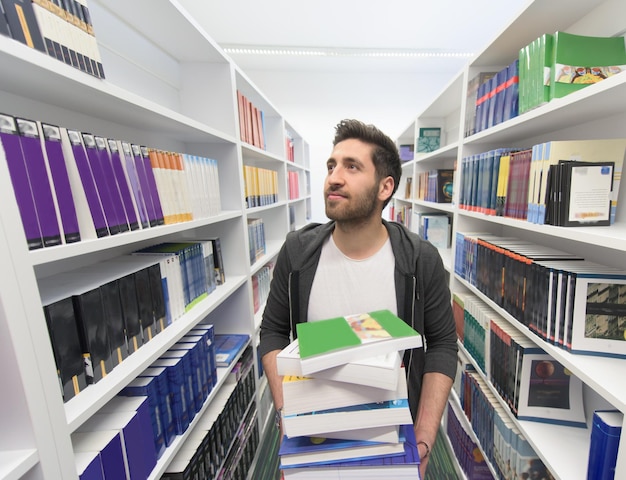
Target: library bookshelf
168, 86
595, 112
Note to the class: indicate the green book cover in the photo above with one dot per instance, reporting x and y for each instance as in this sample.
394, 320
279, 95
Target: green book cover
325, 336
429, 139
579, 61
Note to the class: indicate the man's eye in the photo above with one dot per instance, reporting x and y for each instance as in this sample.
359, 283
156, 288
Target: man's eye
330, 167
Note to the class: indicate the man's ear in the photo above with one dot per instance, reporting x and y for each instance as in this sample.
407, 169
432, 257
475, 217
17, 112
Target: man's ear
385, 189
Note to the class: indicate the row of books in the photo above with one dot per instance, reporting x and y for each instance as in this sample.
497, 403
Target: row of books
225, 437
261, 286
561, 183
256, 239
549, 67
60, 28
555, 65
496, 98
293, 185
260, 186
567, 301
401, 213
251, 122
435, 185
345, 399
116, 441
504, 446
98, 315
533, 385
468, 454
72, 185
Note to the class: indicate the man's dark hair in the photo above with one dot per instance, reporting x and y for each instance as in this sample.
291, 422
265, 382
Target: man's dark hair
384, 155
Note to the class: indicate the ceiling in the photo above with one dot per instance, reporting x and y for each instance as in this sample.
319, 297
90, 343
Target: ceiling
444, 26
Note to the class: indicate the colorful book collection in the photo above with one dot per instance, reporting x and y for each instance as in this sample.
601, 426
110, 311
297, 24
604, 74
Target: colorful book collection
224, 437
551, 66
567, 301
99, 315
78, 186
496, 97
293, 185
260, 186
62, 29
532, 384
340, 419
401, 213
561, 183
435, 185
251, 122
261, 286
256, 239
503, 445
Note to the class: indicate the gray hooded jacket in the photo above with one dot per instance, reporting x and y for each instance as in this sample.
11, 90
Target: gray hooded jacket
423, 298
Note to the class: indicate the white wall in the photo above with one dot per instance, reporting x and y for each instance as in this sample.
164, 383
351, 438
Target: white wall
314, 102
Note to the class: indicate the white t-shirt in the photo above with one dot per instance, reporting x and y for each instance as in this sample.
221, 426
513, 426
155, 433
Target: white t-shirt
343, 286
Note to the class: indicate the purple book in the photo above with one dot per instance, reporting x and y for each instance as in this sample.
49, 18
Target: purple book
111, 183
122, 185
152, 184
19, 178
61, 182
39, 181
145, 185
99, 176
89, 184
133, 178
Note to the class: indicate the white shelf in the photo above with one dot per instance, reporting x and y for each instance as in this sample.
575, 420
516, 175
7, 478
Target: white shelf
595, 112
15, 463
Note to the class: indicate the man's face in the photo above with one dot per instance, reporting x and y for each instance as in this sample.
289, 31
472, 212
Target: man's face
351, 189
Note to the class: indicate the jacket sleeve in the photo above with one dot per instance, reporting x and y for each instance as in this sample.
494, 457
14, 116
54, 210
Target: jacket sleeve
275, 325
439, 326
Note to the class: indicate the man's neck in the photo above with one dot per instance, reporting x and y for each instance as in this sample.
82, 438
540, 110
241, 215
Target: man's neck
362, 240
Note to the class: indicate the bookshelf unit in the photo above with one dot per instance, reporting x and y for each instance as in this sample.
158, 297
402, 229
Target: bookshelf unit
168, 86
597, 111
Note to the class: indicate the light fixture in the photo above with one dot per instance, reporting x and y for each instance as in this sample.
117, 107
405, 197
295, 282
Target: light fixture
342, 52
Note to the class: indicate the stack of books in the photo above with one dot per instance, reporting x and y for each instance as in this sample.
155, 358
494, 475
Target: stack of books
346, 407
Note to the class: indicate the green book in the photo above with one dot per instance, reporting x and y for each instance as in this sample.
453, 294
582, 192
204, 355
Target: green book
579, 61
337, 341
429, 139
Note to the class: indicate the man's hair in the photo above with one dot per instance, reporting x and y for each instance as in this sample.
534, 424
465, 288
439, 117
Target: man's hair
384, 154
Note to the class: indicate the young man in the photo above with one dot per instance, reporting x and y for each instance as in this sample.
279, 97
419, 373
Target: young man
359, 262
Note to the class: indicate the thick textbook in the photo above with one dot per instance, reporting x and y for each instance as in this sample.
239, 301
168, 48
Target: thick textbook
332, 342
306, 451
304, 394
606, 430
227, 347
404, 466
391, 412
379, 371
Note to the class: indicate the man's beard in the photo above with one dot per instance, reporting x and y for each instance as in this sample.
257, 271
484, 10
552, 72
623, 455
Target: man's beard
357, 208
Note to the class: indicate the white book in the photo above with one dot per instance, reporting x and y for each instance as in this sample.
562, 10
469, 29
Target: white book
379, 371
305, 394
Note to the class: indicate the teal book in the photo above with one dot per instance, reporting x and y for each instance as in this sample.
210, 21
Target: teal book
336, 341
579, 61
429, 139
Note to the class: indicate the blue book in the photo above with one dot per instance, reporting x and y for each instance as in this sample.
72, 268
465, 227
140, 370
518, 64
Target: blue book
390, 466
302, 451
606, 430
177, 387
164, 399
194, 389
148, 387
89, 465
227, 347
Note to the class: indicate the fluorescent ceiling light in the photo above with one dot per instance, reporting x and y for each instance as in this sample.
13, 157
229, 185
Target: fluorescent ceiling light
342, 52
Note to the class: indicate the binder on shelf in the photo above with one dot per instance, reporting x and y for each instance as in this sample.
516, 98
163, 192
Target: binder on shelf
109, 148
